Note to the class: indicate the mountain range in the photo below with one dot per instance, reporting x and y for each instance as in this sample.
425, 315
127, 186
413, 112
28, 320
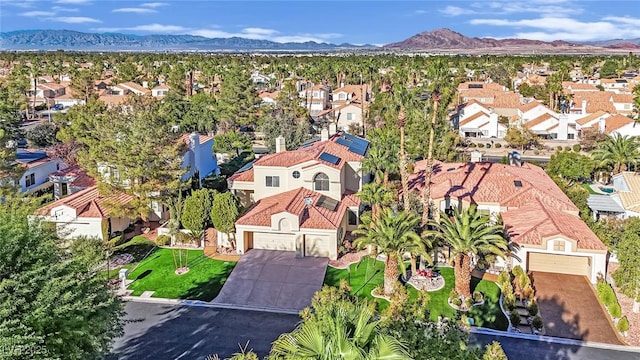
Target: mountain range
441, 39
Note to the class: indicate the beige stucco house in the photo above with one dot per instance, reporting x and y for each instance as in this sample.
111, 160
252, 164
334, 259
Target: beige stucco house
302, 200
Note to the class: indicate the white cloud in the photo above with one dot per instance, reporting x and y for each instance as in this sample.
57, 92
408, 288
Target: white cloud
254, 33
134, 10
63, 9
563, 28
154, 4
456, 11
37, 13
25, 4
72, 1
551, 7
74, 19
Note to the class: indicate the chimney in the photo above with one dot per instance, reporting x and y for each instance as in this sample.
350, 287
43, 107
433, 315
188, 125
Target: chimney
324, 135
602, 124
342, 84
476, 156
280, 144
145, 84
563, 127
333, 129
584, 107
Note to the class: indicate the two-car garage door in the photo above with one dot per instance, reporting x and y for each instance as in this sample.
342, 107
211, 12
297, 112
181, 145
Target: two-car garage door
562, 264
314, 245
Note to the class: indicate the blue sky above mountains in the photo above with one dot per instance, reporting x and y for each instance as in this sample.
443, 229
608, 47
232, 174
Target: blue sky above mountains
356, 22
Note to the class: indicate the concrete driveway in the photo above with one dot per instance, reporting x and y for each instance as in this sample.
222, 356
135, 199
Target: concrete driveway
273, 280
570, 308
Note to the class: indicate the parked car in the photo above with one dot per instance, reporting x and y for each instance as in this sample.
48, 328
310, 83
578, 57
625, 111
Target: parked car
57, 107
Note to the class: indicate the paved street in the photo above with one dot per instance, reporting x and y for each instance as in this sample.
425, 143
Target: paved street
156, 331
518, 349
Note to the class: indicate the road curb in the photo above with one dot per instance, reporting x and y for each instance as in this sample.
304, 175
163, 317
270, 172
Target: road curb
199, 303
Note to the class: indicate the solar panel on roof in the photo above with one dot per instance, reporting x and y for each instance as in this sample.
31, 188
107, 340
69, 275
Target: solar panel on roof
309, 142
246, 167
28, 156
329, 158
327, 203
343, 141
475, 86
621, 81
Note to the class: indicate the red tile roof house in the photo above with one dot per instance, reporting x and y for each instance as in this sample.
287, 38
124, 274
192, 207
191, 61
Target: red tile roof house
537, 214
304, 198
86, 213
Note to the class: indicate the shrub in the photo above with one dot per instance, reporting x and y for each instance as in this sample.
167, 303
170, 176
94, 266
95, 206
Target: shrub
488, 146
503, 278
497, 146
532, 308
453, 294
477, 296
615, 310
514, 317
605, 293
456, 301
567, 148
539, 147
527, 292
536, 152
537, 322
517, 271
559, 148
576, 147
510, 301
472, 145
623, 324
468, 303
163, 240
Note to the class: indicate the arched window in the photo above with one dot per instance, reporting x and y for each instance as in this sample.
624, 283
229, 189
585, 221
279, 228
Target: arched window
321, 182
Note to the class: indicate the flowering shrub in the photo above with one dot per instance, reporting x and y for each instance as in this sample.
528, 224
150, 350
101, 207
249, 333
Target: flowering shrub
428, 273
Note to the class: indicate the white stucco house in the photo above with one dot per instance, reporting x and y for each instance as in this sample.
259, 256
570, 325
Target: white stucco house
538, 216
37, 167
199, 159
481, 124
303, 200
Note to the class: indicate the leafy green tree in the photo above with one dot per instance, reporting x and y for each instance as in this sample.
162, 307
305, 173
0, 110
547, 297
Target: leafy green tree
617, 153
468, 233
43, 135
289, 102
238, 100
54, 303
609, 69
127, 71
199, 117
10, 132
225, 211
520, 138
196, 212
627, 277
570, 165
392, 234
338, 328
232, 142
294, 132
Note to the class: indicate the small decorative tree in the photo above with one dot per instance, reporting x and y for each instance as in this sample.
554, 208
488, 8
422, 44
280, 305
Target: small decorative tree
623, 326
224, 213
537, 323
615, 311
514, 318
494, 351
532, 308
196, 212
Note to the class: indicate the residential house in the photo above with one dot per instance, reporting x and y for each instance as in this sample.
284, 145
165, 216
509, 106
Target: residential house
539, 217
199, 158
552, 126
38, 165
623, 103
570, 87
70, 181
475, 120
128, 88
269, 98
160, 91
86, 213
619, 86
348, 93
304, 199
70, 98
315, 99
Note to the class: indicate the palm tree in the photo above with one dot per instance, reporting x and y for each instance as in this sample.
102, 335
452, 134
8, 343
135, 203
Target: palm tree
393, 235
376, 195
348, 332
469, 234
426, 192
382, 158
404, 176
617, 152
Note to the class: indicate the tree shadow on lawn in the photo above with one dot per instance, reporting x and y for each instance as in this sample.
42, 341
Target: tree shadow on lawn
144, 274
489, 314
208, 290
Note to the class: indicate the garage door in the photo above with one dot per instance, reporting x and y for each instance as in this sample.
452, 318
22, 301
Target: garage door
562, 264
270, 241
317, 245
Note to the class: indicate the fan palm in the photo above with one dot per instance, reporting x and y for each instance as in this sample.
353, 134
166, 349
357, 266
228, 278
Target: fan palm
617, 152
393, 235
348, 332
468, 233
378, 196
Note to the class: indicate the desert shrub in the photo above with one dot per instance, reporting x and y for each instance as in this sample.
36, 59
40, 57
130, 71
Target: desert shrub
528, 292
623, 324
472, 145
497, 146
567, 148
537, 322
504, 278
559, 148
163, 240
514, 317
468, 303
453, 294
456, 301
576, 147
532, 308
536, 152
605, 293
615, 311
488, 146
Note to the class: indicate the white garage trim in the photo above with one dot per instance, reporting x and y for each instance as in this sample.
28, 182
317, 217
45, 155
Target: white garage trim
561, 264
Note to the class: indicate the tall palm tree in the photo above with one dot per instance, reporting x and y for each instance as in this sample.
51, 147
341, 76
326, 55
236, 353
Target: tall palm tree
469, 234
378, 196
426, 192
382, 158
392, 234
404, 176
617, 152
349, 332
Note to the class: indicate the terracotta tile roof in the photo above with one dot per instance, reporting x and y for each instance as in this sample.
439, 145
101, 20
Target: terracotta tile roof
613, 81
587, 119
530, 106
353, 90
242, 176
487, 95
623, 98
507, 100
493, 183
578, 86
293, 202
616, 122
162, 87
272, 95
203, 138
88, 203
464, 87
80, 177
473, 117
133, 86
311, 153
630, 199
111, 100
533, 223
474, 101
596, 100
539, 120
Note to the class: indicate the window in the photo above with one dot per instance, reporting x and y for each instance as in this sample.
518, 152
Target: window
558, 245
484, 212
485, 132
571, 136
321, 182
342, 96
273, 181
30, 180
350, 116
353, 217
296, 174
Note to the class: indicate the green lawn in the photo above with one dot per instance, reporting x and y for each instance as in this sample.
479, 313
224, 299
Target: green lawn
369, 274
138, 246
157, 273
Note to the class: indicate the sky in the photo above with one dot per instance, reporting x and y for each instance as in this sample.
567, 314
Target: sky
350, 21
